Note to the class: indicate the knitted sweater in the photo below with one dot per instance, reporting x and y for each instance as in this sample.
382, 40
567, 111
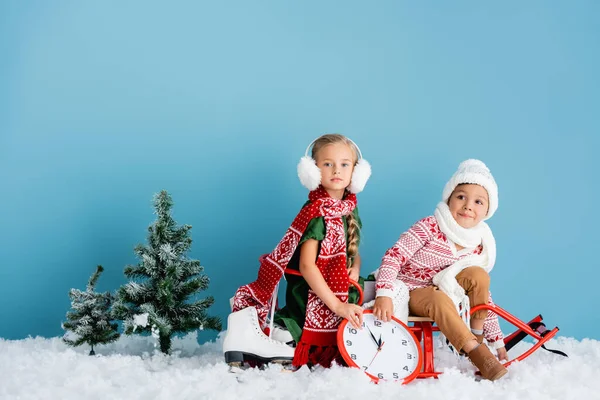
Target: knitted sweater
296, 295
418, 255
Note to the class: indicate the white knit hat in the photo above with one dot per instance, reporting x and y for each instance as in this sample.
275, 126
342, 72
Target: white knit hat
475, 172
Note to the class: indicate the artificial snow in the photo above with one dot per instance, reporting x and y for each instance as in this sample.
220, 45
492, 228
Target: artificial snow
140, 320
131, 368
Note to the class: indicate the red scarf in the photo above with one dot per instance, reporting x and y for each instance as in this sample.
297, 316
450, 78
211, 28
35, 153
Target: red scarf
318, 342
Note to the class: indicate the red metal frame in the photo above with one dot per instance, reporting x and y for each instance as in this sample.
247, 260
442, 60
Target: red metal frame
424, 332
523, 327
515, 333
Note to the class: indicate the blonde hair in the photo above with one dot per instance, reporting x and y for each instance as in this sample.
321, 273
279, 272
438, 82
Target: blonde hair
353, 228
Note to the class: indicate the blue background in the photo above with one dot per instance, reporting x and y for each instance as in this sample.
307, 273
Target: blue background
102, 104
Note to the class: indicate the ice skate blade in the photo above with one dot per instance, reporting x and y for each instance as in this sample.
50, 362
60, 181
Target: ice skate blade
238, 358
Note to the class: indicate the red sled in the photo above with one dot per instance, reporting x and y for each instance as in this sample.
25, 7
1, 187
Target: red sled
423, 328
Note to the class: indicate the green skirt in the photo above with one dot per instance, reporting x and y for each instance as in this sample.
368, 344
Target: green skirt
296, 296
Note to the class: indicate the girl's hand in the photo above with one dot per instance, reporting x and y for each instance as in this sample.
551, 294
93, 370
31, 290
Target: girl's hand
502, 354
383, 309
353, 273
352, 312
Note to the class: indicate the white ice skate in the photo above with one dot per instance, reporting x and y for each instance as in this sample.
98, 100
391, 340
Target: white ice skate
281, 335
277, 333
245, 341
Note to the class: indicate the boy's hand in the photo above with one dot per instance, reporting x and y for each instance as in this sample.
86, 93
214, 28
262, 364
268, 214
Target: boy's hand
352, 312
383, 309
502, 354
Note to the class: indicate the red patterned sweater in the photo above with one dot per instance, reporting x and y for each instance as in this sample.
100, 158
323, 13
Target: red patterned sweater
419, 254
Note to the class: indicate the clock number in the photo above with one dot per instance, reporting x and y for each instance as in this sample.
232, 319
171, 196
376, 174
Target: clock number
395, 375
365, 367
393, 330
348, 343
353, 356
404, 342
380, 375
405, 368
409, 356
352, 330
377, 323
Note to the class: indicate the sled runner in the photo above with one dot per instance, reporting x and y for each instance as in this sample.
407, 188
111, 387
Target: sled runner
424, 327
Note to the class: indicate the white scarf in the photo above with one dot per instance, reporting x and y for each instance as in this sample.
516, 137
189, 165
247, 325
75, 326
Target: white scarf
469, 239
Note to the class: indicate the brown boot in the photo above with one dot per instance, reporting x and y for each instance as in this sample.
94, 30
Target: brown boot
488, 365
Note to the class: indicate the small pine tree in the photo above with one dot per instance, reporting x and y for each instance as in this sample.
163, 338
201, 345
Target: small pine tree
163, 283
90, 319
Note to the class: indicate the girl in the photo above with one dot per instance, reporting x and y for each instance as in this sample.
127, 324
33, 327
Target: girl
443, 256
322, 244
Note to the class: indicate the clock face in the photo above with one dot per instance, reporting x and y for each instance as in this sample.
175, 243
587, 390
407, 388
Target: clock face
383, 350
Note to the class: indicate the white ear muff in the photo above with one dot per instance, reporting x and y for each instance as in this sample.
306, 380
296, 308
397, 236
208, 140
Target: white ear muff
309, 173
360, 176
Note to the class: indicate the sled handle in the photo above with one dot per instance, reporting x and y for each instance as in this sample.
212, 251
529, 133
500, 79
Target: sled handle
521, 325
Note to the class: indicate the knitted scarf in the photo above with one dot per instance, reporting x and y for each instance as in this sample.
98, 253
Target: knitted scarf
467, 238
318, 341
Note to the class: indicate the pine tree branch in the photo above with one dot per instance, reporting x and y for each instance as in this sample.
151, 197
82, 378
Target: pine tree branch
191, 268
213, 323
136, 272
92, 282
188, 288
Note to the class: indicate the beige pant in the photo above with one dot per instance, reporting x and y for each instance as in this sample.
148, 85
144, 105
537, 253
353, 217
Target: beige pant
435, 304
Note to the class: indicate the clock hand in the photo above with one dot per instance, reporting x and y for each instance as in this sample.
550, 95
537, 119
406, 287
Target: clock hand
373, 337
373, 359
376, 354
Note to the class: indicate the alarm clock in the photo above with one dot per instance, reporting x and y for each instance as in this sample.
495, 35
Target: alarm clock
383, 350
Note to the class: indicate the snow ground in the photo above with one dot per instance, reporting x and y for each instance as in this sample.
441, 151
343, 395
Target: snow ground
131, 368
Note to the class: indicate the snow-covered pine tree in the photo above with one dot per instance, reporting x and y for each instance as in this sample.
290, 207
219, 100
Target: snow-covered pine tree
164, 285
90, 318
